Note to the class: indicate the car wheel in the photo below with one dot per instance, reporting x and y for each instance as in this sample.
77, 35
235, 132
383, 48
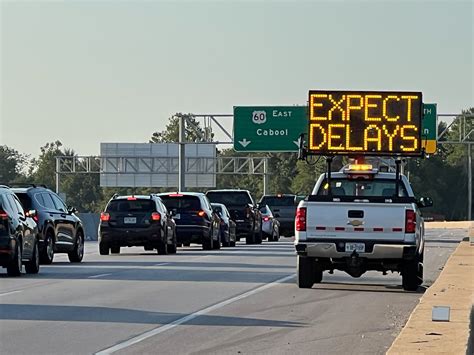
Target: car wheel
258, 237
250, 238
305, 272
103, 249
162, 248
186, 244
76, 255
207, 243
32, 266
115, 250
172, 248
232, 243
216, 244
47, 254
225, 244
148, 248
15, 266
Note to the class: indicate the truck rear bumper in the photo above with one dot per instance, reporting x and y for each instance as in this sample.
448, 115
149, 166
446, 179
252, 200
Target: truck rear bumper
377, 251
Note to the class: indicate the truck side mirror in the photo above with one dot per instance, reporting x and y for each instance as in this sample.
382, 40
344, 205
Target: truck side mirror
425, 202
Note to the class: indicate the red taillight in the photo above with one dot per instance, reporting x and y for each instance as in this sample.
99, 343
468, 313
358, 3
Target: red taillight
300, 221
131, 198
155, 216
410, 221
175, 195
201, 213
266, 219
3, 215
35, 218
104, 217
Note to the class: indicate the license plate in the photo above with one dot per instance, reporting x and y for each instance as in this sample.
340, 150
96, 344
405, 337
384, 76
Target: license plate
177, 216
130, 220
358, 247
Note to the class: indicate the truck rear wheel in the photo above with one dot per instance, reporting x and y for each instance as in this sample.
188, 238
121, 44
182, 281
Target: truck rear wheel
412, 275
305, 272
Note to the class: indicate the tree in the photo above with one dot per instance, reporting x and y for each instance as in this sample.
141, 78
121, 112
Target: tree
43, 168
194, 131
11, 165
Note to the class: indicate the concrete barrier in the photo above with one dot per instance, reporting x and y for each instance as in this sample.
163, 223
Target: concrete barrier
454, 288
91, 224
453, 224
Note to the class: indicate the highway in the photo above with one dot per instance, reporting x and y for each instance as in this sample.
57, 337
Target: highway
234, 301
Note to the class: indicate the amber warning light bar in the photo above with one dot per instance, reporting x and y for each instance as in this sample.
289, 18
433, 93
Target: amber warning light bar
364, 122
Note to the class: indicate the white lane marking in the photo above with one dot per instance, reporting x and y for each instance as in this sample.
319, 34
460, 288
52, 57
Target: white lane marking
9, 293
162, 264
97, 276
164, 328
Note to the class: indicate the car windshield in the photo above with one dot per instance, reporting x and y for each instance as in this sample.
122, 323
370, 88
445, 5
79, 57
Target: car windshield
278, 200
362, 188
120, 205
181, 203
237, 198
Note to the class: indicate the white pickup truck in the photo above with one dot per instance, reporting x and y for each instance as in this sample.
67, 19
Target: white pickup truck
360, 220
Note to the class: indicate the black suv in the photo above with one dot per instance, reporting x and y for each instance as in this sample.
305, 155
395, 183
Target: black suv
60, 230
242, 210
136, 221
196, 221
18, 235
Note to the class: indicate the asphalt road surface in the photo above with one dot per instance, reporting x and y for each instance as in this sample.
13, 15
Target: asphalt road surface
233, 301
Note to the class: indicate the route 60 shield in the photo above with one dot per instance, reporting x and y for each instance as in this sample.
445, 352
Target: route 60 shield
259, 117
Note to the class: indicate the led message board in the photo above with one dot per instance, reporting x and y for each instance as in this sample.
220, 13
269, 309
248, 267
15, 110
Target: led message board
364, 122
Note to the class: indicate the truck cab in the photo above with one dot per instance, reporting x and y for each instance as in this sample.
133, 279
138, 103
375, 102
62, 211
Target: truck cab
360, 219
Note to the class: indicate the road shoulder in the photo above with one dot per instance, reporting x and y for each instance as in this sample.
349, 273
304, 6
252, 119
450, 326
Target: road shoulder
455, 288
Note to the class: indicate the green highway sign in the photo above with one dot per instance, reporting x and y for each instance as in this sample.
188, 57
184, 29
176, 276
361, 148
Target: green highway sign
269, 129
429, 128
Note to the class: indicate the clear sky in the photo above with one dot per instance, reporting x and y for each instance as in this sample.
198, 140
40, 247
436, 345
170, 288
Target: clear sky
86, 72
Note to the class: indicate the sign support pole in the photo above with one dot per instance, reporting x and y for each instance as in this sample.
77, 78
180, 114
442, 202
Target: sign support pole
181, 156
265, 177
57, 176
469, 182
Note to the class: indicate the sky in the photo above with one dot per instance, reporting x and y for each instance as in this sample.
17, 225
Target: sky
85, 72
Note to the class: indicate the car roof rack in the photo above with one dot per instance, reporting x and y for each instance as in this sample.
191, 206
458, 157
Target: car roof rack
21, 184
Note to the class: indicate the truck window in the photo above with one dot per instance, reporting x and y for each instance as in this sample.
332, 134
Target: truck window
230, 198
362, 188
278, 201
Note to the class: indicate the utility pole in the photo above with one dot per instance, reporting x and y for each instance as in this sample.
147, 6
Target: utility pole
181, 156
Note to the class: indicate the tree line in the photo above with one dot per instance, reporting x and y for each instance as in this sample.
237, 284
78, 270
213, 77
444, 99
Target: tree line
442, 176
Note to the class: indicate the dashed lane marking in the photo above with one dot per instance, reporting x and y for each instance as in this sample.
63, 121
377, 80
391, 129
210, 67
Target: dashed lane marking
161, 329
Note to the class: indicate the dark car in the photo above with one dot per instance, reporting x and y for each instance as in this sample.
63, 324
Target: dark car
139, 220
60, 230
242, 210
227, 225
18, 236
196, 221
283, 207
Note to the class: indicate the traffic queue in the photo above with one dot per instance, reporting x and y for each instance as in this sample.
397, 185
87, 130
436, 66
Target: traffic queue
36, 224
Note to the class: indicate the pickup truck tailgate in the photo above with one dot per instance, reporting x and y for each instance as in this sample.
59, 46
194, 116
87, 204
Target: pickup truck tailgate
358, 221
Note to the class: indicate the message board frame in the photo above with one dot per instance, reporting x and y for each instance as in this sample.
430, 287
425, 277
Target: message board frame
397, 107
